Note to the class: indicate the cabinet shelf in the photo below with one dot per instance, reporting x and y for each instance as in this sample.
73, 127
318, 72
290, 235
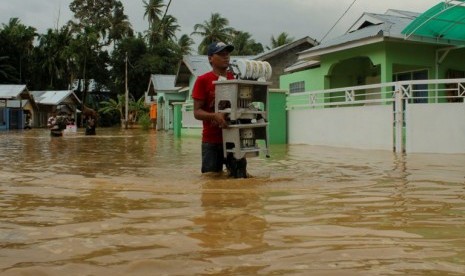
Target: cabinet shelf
243, 100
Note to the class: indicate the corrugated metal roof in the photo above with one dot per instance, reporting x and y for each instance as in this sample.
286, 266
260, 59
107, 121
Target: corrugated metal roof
283, 48
54, 97
11, 91
197, 65
164, 82
302, 64
392, 24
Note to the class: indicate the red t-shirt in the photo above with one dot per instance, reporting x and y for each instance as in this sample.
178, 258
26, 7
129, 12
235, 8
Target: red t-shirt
204, 90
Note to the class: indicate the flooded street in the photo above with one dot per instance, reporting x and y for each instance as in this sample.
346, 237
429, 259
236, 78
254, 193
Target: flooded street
133, 202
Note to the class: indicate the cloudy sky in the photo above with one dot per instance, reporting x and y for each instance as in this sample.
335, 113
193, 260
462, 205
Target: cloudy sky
261, 18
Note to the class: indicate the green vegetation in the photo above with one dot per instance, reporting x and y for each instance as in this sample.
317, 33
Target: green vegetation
99, 42
144, 121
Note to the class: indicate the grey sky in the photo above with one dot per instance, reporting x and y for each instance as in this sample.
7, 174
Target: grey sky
261, 18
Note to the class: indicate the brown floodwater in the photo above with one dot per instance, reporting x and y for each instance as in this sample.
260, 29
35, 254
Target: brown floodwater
133, 202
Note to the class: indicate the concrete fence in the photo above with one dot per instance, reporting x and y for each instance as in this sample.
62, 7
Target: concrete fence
410, 116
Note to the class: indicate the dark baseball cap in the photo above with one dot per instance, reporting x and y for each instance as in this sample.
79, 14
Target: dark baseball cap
219, 46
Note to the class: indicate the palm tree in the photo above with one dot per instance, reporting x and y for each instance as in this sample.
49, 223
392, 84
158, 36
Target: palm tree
17, 44
153, 11
53, 50
282, 39
120, 25
83, 51
244, 44
169, 27
185, 43
6, 70
48, 47
216, 29
164, 30
3, 68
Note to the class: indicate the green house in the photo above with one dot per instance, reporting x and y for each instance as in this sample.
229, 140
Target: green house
163, 92
392, 81
374, 50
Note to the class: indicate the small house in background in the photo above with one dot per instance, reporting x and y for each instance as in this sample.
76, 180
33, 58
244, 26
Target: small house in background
64, 102
160, 96
16, 104
191, 67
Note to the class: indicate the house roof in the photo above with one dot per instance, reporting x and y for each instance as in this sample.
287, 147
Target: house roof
163, 82
12, 91
301, 65
369, 28
55, 97
284, 48
197, 65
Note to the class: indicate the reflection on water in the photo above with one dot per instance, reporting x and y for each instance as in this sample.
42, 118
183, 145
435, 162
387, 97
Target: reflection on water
132, 202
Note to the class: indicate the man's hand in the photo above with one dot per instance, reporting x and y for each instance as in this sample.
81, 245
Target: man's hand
220, 120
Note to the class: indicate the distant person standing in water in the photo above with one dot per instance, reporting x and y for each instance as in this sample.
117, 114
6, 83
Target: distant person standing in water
54, 126
90, 125
204, 109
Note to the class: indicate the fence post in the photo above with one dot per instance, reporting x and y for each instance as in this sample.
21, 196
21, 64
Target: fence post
398, 118
177, 120
277, 116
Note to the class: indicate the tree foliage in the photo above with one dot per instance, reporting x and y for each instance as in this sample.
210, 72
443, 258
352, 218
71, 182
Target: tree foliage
244, 45
215, 29
282, 39
16, 46
95, 44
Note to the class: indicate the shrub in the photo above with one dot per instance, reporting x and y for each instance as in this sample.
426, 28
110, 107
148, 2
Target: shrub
144, 121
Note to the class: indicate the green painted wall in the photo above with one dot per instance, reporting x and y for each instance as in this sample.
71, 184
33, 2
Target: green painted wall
352, 67
166, 111
177, 120
277, 117
313, 82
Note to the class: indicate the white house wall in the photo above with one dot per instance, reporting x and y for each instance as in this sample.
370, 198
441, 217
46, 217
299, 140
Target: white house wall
435, 128
364, 127
168, 117
188, 120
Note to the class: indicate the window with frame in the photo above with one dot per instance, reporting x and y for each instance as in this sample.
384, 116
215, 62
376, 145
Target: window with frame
296, 87
420, 94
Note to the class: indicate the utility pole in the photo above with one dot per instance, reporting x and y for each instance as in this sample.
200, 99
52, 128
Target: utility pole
126, 102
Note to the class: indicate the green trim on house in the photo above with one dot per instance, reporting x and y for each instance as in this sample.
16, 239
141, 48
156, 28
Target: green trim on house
277, 117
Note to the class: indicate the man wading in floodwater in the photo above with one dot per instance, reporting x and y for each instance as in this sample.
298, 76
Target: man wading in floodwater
204, 109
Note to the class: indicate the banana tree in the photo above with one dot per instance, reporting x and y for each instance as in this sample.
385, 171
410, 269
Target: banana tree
113, 106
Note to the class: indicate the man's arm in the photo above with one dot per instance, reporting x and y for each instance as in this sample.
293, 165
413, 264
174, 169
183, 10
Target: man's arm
201, 114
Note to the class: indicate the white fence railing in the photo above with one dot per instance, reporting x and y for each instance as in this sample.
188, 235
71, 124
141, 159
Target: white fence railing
418, 91
188, 120
400, 96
